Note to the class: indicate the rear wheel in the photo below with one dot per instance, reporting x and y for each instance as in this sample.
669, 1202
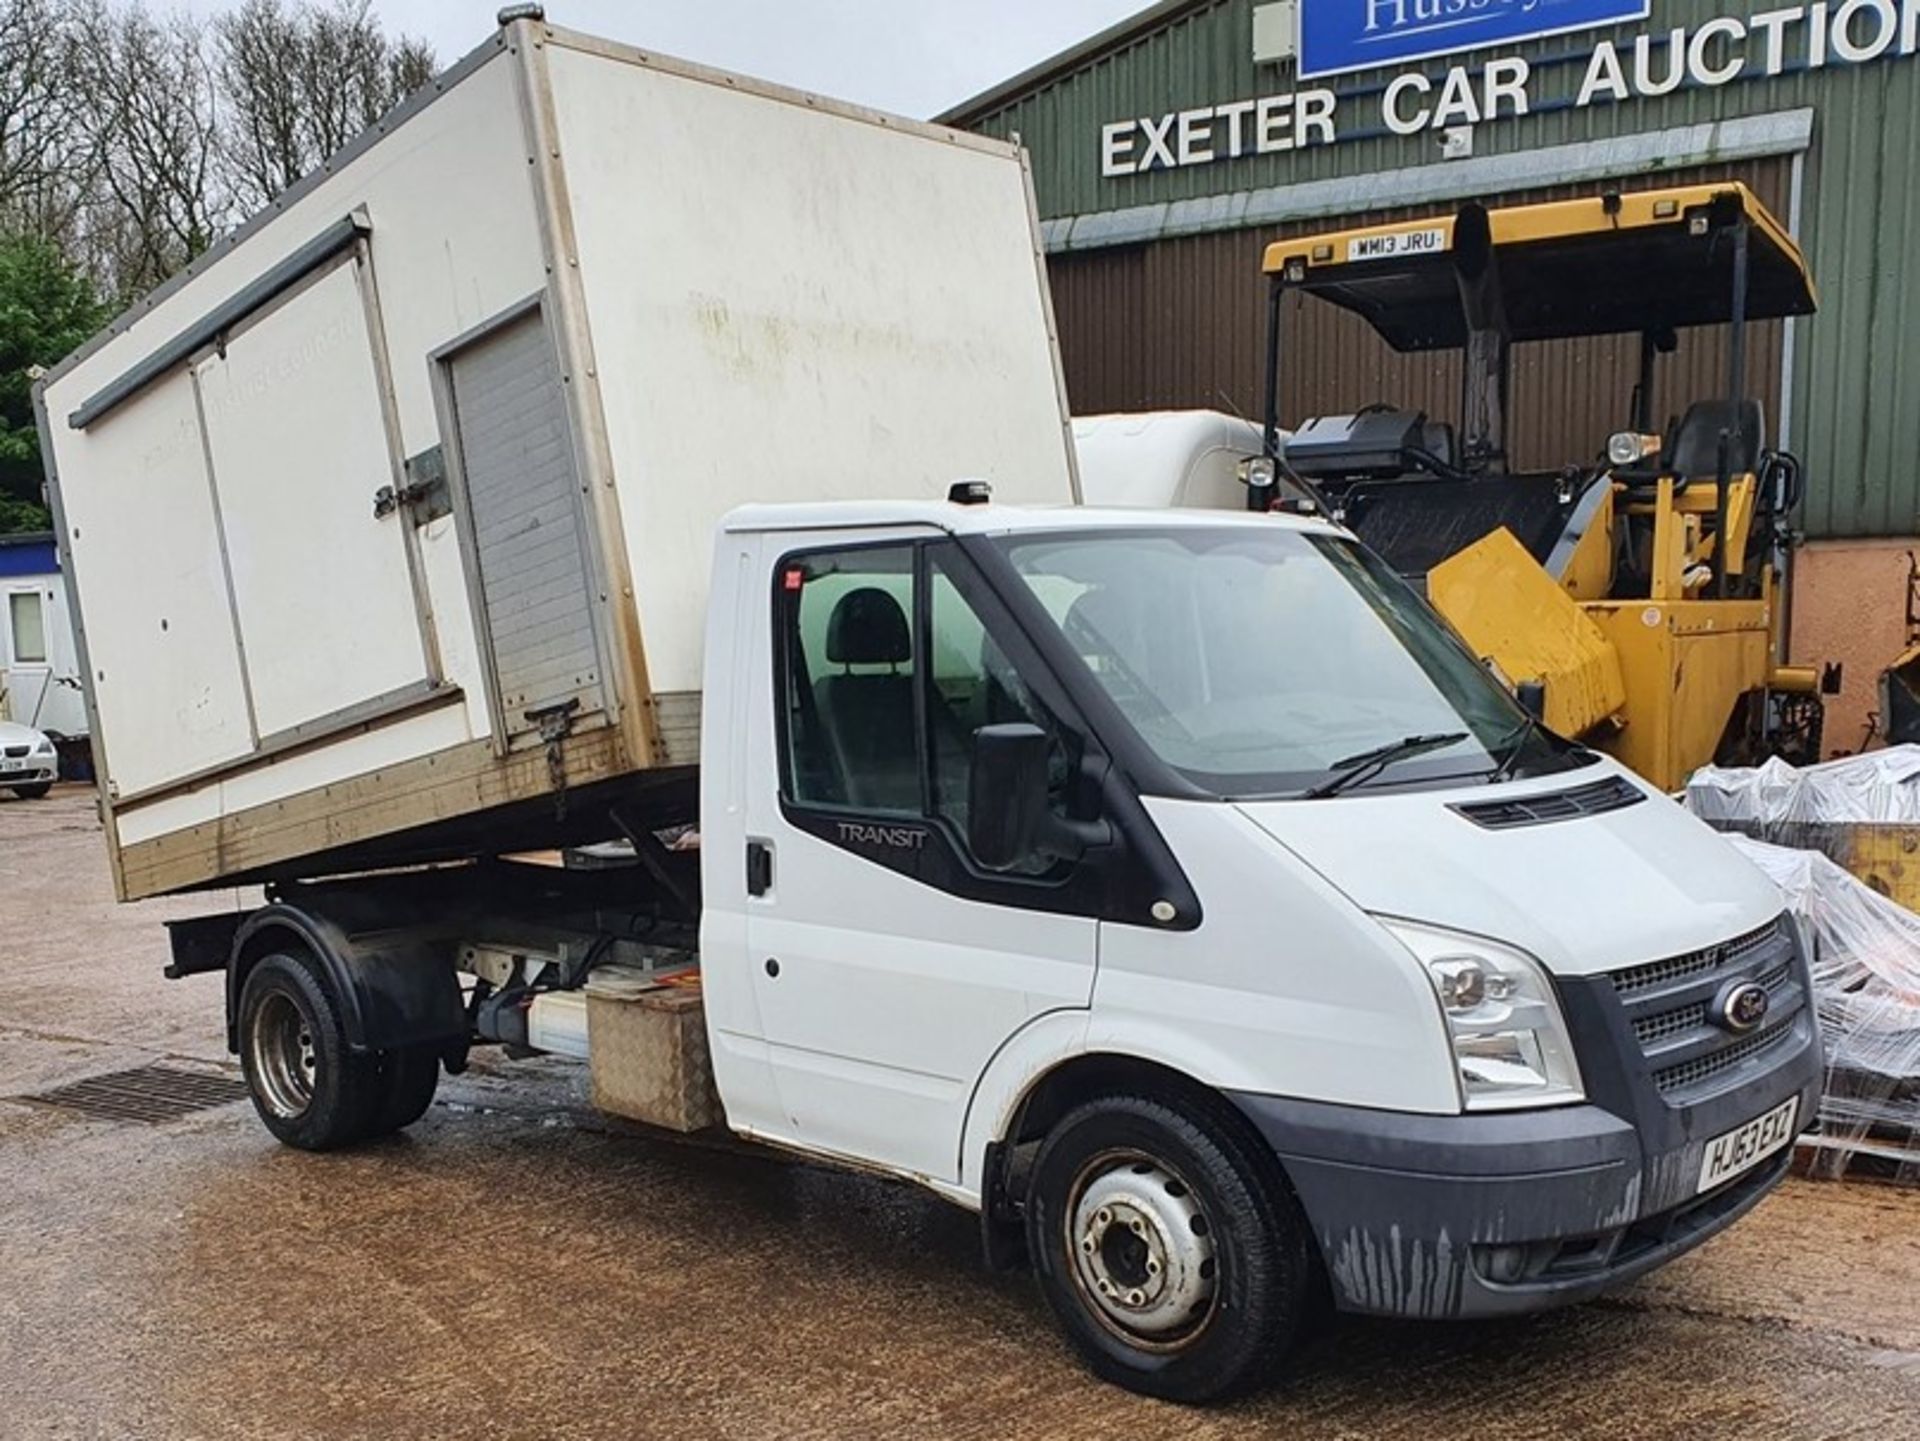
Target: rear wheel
312, 1090
309, 1088
1169, 1246
35, 792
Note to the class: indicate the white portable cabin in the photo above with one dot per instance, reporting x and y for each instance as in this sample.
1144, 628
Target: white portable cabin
1159, 458
391, 517
39, 663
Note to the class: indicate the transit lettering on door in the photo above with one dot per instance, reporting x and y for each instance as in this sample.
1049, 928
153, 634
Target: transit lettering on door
899, 838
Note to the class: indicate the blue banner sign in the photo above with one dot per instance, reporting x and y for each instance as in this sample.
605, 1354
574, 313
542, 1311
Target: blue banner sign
1342, 35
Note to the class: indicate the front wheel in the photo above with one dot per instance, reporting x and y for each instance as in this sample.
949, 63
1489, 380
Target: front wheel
1170, 1248
35, 792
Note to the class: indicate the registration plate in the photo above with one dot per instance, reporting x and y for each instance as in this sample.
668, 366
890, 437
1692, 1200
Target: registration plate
1747, 1146
8, 767
1389, 247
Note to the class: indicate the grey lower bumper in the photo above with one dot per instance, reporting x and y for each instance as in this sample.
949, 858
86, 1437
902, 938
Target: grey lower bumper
1489, 1215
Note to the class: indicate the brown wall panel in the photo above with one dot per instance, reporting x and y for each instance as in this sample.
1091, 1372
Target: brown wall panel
1180, 324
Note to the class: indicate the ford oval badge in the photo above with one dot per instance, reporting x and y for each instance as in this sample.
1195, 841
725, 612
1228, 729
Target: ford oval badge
1741, 1007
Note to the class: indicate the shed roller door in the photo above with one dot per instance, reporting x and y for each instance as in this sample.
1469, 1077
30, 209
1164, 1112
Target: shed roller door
529, 540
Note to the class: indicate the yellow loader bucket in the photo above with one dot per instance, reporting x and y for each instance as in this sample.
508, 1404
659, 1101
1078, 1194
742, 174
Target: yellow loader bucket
1513, 613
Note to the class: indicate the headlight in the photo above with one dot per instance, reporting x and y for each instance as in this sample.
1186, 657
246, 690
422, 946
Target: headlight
44, 747
1510, 1041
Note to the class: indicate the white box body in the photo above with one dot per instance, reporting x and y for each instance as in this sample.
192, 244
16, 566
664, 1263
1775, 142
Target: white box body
607, 296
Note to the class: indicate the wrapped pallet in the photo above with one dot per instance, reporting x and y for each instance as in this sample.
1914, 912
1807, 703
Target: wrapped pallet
1866, 977
1861, 811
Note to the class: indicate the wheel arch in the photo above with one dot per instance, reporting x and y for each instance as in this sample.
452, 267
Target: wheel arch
1043, 1071
276, 928
1056, 1053
393, 991
1094, 1073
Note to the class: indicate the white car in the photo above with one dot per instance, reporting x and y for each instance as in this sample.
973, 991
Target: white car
28, 762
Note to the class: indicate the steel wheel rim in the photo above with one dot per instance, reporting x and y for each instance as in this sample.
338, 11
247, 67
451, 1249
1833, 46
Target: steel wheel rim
1141, 1250
285, 1061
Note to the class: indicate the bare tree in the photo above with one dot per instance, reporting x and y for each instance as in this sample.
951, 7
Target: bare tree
132, 135
37, 166
302, 79
148, 126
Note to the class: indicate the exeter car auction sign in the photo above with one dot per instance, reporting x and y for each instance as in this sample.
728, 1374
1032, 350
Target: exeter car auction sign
1341, 35
1345, 35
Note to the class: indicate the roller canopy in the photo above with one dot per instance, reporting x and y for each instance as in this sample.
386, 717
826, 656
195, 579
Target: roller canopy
1602, 265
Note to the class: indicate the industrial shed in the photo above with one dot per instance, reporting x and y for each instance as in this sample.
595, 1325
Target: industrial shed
1171, 149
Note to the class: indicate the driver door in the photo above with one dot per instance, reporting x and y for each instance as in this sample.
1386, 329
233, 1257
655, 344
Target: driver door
889, 967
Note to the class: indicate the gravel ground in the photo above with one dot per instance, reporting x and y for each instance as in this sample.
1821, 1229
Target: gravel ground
515, 1266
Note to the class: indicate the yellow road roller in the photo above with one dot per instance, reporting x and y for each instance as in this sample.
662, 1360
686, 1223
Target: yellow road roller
1631, 594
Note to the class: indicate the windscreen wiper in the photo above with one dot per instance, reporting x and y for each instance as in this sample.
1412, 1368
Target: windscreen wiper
1368, 764
1532, 728
1517, 739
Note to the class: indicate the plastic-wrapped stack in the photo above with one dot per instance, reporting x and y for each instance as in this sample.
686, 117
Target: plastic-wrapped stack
1839, 840
1879, 788
1866, 981
1863, 812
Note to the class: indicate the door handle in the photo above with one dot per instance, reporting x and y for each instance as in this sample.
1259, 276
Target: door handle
759, 868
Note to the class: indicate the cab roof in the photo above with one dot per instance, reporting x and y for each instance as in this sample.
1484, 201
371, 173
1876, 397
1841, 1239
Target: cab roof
1601, 265
857, 515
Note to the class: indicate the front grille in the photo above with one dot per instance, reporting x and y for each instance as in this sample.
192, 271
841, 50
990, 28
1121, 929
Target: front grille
1659, 1025
1659, 974
1669, 1007
1688, 1074
18, 753
1612, 794
1649, 1029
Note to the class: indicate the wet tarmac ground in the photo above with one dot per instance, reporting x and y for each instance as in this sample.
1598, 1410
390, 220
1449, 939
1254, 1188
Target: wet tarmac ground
516, 1266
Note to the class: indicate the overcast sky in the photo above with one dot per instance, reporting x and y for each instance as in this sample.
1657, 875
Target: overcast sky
914, 57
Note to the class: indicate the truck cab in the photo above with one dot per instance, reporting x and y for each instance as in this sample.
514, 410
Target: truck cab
1177, 890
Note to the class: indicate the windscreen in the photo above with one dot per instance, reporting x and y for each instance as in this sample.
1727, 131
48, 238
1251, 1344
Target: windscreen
1263, 661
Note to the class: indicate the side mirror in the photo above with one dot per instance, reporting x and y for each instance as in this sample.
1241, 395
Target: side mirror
1007, 793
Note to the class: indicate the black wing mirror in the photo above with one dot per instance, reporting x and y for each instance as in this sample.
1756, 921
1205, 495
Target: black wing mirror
1007, 793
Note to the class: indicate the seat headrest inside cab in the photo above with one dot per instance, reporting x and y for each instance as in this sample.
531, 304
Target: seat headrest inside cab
868, 627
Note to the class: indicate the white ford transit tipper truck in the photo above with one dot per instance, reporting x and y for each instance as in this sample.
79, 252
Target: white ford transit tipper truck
1171, 888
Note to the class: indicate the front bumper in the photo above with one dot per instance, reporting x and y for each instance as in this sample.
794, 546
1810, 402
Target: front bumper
36, 773
1498, 1214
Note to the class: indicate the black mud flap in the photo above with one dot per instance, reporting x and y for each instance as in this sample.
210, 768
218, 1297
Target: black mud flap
1003, 1236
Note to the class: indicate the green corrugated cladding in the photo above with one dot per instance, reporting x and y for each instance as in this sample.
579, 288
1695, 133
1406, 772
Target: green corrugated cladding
1857, 394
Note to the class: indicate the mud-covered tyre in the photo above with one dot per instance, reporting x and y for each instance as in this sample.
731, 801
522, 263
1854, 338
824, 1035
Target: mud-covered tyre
1170, 1247
404, 1085
34, 793
310, 1090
